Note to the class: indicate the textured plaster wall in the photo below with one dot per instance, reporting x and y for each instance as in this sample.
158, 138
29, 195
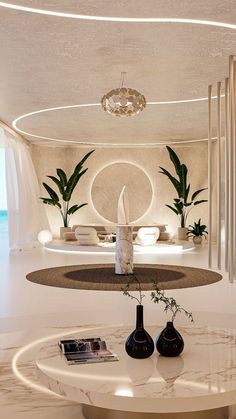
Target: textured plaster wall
47, 159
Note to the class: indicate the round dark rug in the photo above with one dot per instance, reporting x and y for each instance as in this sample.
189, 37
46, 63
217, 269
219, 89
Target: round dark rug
103, 277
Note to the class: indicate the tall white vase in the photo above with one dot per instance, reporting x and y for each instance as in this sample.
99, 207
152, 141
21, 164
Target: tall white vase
124, 250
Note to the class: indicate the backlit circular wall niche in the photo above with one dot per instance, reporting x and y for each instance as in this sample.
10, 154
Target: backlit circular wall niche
107, 186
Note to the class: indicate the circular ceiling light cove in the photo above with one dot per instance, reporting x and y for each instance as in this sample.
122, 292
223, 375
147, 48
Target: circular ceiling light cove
175, 102
88, 105
118, 19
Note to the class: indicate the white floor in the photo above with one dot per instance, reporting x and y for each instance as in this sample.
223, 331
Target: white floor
23, 303
27, 308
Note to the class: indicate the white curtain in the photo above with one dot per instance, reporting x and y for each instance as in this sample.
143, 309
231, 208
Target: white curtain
26, 214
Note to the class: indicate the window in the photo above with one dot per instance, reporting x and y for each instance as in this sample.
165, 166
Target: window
3, 197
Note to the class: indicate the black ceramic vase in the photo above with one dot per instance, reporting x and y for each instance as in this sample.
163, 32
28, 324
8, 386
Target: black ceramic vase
170, 341
139, 344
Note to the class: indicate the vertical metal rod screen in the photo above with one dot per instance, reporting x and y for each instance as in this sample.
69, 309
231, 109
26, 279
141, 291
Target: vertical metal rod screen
226, 179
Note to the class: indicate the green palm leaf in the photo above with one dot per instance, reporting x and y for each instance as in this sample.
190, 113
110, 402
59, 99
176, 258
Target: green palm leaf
179, 207
199, 202
80, 164
173, 209
75, 208
183, 181
175, 160
195, 194
58, 183
51, 202
62, 177
187, 192
173, 180
72, 209
187, 204
51, 192
72, 182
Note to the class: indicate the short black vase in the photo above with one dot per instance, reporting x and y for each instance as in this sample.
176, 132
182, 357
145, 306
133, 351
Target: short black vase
170, 341
139, 343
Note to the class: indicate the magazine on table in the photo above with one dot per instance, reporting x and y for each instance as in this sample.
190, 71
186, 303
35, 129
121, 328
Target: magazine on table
84, 351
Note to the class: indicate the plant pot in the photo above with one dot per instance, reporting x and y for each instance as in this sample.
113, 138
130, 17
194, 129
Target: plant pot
64, 230
197, 239
170, 341
182, 233
139, 343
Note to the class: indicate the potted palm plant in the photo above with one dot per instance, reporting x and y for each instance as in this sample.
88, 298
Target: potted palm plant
183, 203
65, 187
197, 231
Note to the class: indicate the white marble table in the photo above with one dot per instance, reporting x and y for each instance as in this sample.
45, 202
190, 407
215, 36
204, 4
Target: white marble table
201, 383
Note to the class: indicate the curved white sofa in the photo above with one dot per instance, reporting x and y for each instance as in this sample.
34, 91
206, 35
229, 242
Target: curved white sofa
111, 228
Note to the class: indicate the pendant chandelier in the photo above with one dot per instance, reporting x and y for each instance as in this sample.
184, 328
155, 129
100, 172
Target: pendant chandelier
123, 101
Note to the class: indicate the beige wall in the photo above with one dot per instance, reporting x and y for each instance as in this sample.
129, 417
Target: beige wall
47, 159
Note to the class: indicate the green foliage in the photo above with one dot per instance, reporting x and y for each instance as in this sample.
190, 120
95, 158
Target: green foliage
170, 303
51, 202
65, 187
135, 283
75, 208
51, 192
58, 183
157, 296
71, 184
62, 177
197, 229
182, 205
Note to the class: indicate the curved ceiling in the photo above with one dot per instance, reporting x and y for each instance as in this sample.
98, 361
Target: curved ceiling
50, 61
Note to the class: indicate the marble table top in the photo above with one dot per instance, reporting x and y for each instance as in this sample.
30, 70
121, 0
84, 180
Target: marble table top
203, 377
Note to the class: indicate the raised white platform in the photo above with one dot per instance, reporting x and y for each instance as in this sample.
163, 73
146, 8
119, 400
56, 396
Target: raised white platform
158, 248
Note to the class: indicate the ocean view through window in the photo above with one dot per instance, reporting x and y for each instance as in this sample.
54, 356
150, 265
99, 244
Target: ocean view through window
3, 197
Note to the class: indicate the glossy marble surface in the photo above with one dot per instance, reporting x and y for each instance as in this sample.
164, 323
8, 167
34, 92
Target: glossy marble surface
203, 377
124, 250
18, 400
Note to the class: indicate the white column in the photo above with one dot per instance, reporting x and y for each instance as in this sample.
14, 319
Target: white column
231, 168
226, 175
219, 175
124, 250
209, 177
234, 170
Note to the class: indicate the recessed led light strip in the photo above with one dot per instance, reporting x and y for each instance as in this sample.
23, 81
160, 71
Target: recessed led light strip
87, 105
174, 102
118, 18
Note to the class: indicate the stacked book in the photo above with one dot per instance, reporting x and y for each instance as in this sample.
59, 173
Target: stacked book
84, 351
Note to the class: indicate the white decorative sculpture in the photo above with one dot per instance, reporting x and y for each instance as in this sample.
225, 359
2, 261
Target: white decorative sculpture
124, 237
147, 236
123, 207
86, 236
